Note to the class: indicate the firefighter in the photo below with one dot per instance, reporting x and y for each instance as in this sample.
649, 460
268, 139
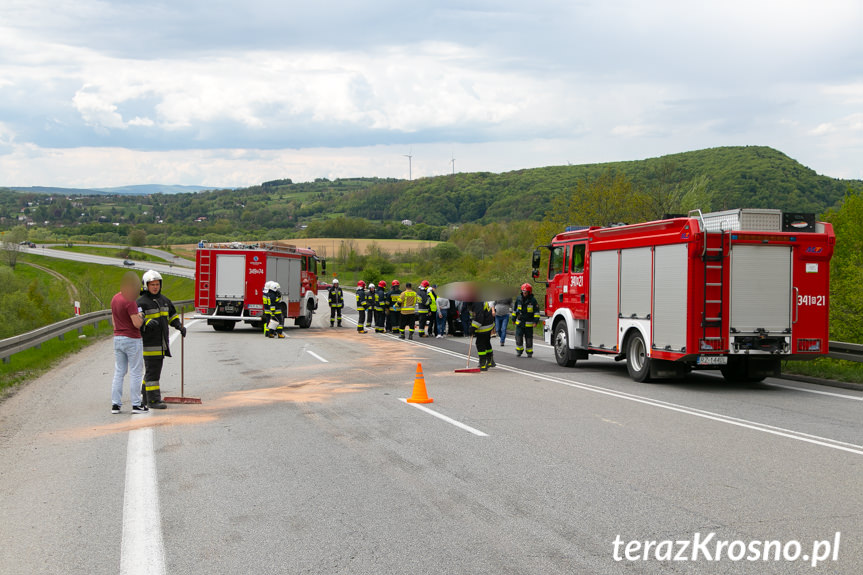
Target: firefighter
482, 325
361, 306
275, 309
525, 313
407, 311
159, 314
393, 317
381, 307
370, 306
337, 302
423, 306
265, 300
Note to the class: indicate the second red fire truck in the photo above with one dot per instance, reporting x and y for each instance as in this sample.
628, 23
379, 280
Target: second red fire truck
230, 278
738, 290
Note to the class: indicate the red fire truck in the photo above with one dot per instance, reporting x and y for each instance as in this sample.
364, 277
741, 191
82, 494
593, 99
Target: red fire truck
230, 278
737, 290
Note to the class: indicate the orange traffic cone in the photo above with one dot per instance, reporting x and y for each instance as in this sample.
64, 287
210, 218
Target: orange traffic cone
420, 395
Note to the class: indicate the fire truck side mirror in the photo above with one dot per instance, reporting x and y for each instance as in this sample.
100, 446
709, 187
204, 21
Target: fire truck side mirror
535, 265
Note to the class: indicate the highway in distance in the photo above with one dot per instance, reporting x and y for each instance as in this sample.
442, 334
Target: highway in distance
304, 458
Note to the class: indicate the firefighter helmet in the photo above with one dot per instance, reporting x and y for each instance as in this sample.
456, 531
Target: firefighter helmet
336, 282
151, 276
526, 287
275, 286
395, 283
425, 284
382, 284
361, 284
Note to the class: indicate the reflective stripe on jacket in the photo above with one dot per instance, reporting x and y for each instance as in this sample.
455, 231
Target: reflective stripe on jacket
408, 302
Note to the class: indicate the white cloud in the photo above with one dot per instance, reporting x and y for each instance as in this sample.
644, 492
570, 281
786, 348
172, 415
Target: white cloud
93, 79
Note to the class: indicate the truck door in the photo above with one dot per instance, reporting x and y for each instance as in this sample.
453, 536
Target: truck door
574, 290
557, 279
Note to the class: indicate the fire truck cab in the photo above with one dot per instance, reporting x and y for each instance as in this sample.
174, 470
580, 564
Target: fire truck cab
738, 290
230, 278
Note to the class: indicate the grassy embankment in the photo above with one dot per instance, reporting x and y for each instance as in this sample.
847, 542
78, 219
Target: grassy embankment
93, 285
124, 253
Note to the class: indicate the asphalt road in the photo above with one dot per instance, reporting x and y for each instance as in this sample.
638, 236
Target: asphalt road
181, 271
304, 459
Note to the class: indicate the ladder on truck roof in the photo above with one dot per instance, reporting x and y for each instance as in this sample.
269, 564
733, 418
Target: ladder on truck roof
713, 257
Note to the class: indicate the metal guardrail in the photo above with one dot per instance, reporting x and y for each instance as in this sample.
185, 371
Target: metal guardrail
846, 351
37, 337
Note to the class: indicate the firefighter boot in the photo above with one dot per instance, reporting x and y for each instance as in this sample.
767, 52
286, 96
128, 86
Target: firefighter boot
410, 335
402, 336
483, 362
490, 357
153, 396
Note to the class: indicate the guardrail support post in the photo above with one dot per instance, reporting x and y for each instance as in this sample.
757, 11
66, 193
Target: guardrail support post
62, 337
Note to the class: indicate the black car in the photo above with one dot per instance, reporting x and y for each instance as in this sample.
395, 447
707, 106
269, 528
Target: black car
128, 263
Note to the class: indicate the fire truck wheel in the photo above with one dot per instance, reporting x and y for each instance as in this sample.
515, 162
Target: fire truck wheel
305, 321
560, 341
637, 361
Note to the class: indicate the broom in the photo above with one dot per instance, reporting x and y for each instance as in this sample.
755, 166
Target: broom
182, 398
469, 369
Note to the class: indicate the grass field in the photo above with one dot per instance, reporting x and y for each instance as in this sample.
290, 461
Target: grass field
329, 247
97, 284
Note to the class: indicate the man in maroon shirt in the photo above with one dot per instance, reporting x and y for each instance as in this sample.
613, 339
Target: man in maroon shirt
128, 345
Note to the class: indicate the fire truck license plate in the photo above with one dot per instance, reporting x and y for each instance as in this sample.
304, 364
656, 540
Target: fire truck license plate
712, 360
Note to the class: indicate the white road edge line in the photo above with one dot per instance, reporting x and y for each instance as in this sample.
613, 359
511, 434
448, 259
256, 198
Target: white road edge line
142, 551
807, 390
443, 417
316, 356
753, 425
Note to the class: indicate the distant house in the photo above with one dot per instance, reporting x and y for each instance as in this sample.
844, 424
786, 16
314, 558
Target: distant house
407, 223
201, 219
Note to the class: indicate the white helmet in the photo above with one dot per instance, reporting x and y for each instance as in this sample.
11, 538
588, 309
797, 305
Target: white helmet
151, 276
336, 282
268, 286
275, 286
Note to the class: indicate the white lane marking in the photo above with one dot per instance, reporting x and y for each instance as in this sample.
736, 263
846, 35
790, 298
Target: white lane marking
753, 425
316, 356
807, 390
142, 551
458, 424
176, 333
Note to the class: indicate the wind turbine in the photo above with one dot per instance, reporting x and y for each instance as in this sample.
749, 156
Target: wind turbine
409, 156
452, 161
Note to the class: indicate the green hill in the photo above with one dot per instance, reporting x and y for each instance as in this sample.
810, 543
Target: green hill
755, 177
750, 176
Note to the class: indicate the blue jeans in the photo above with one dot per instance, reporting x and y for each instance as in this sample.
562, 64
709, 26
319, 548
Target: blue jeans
500, 323
128, 355
441, 322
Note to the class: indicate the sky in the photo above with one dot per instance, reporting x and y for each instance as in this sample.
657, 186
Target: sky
99, 93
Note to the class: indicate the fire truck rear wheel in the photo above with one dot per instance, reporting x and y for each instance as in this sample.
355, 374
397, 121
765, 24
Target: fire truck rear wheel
637, 360
224, 325
560, 341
